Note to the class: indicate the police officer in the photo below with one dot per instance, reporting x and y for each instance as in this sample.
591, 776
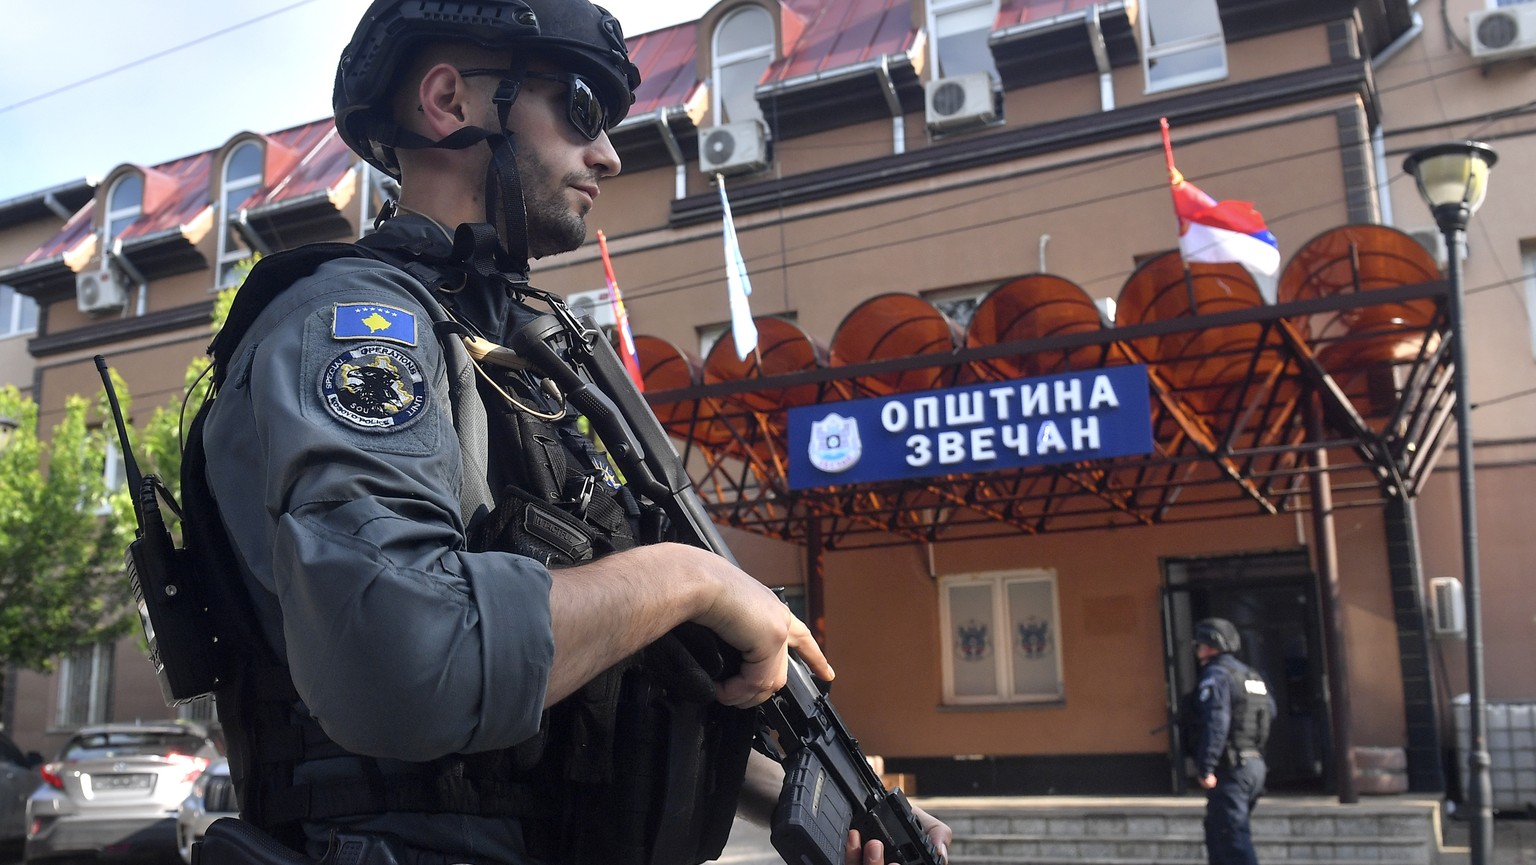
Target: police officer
1232, 708
449, 587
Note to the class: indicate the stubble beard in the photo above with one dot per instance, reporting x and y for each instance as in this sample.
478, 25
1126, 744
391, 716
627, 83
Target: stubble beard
553, 227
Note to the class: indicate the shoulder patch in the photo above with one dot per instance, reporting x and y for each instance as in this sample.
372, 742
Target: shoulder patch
374, 321
374, 387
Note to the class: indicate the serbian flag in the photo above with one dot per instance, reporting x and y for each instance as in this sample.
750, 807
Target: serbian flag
739, 287
627, 351
1218, 231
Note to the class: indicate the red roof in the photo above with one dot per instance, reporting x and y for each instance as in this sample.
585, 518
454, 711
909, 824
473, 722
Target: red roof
665, 58
183, 187
842, 34
1016, 12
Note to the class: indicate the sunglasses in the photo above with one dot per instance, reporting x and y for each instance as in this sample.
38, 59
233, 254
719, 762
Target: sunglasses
583, 108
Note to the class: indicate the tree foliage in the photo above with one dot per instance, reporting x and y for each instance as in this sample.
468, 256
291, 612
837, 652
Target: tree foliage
61, 583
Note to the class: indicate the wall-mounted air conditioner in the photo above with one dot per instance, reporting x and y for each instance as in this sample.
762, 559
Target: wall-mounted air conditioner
1447, 608
597, 304
964, 100
1509, 31
100, 290
734, 148
1432, 240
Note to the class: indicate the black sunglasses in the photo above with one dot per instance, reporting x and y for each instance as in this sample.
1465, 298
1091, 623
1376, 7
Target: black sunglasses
583, 108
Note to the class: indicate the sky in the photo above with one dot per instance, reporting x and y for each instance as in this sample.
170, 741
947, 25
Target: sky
89, 85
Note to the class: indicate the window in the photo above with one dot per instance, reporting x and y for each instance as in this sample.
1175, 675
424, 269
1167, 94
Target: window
1001, 640
18, 313
242, 177
958, 304
125, 204
85, 686
960, 29
1182, 43
742, 51
114, 474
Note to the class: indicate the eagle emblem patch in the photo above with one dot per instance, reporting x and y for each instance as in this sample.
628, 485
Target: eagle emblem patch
374, 387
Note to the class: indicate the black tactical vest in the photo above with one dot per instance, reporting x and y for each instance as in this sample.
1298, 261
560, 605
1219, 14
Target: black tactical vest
643, 750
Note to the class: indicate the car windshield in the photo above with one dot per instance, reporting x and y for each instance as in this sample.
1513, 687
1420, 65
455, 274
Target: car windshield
105, 746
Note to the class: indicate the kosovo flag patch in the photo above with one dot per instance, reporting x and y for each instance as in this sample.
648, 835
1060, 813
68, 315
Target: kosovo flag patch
374, 321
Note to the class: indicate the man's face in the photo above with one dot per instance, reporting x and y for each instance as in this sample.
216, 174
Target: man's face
559, 168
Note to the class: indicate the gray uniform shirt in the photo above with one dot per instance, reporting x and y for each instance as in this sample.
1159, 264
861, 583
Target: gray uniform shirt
334, 458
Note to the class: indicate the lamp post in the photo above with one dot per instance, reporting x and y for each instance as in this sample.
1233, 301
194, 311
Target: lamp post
1453, 178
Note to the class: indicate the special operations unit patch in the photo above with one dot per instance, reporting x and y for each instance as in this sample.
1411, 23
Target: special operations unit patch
374, 387
374, 321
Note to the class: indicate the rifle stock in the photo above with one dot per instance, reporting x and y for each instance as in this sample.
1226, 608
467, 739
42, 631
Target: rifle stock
829, 786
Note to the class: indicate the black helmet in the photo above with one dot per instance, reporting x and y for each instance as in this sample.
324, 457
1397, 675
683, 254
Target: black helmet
1219, 634
573, 34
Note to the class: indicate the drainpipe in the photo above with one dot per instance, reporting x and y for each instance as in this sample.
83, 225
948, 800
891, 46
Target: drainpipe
1378, 139
121, 260
53, 203
893, 102
680, 165
248, 233
1101, 58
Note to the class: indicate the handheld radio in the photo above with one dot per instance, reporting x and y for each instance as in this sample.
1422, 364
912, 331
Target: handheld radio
183, 645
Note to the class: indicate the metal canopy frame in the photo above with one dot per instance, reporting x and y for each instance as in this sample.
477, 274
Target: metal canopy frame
1238, 451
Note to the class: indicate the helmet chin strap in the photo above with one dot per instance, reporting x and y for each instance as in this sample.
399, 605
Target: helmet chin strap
504, 207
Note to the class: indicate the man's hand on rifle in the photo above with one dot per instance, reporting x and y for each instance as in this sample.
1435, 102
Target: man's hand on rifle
873, 853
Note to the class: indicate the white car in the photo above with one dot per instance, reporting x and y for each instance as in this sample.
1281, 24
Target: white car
114, 790
212, 797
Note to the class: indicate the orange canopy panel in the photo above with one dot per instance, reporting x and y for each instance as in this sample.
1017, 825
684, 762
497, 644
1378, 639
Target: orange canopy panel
1035, 307
892, 326
1356, 258
1201, 362
782, 348
664, 367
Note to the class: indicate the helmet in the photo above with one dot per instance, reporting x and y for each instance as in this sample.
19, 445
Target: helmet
1219, 634
573, 34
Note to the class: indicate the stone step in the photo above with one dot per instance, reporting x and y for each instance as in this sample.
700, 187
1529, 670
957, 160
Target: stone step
1186, 848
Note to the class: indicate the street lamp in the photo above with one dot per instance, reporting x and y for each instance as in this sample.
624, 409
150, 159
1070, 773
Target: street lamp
1453, 178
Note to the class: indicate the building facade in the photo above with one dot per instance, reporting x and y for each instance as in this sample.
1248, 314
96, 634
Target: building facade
897, 167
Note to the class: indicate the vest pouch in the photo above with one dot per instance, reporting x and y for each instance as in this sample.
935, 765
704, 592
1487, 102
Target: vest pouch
523, 524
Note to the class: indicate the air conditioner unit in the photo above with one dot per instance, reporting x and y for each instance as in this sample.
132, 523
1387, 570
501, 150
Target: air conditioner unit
597, 304
1509, 31
1447, 608
1432, 240
734, 148
100, 290
964, 100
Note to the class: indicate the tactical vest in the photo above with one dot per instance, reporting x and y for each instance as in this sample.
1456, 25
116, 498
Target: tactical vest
644, 748
1250, 713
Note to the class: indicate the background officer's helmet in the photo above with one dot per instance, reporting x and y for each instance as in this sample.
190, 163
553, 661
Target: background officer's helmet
1219, 634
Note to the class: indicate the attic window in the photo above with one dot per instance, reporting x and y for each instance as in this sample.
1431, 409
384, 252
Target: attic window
125, 204
241, 178
743, 49
960, 30
1182, 43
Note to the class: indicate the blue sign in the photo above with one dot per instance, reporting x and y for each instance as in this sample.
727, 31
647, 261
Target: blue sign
989, 427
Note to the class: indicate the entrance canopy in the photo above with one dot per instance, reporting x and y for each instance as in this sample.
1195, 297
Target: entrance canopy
1247, 397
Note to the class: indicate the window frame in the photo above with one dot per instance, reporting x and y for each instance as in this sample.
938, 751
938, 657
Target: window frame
767, 52
14, 318
229, 255
99, 658
126, 215
1150, 53
1004, 674
937, 10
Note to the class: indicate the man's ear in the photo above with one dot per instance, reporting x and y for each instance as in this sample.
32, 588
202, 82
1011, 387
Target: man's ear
444, 101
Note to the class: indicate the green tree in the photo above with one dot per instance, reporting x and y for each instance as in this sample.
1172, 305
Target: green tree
61, 582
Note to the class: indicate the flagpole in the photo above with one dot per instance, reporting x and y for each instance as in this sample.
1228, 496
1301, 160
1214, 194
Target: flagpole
738, 284
1174, 178
630, 355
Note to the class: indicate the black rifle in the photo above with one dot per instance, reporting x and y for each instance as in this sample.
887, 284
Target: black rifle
829, 786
